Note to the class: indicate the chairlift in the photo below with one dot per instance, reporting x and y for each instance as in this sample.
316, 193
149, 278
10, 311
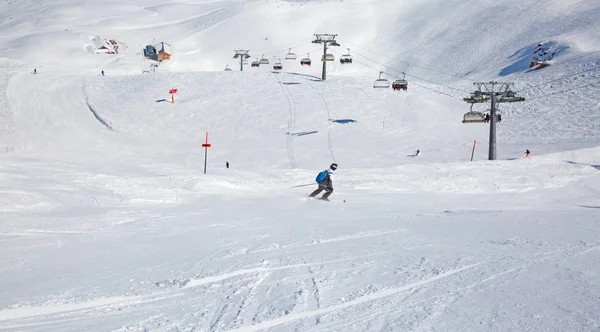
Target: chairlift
346, 58
400, 84
474, 117
306, 61
290, 55
227, 68
255, 63
278, 65
381, 83
263, 60
327, 57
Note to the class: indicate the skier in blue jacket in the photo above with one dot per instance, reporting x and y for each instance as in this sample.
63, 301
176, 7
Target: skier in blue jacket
325, 182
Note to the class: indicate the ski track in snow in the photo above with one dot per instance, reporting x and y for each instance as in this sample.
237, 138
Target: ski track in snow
329, 124
26, 312
292, 120
357, 236
358, 301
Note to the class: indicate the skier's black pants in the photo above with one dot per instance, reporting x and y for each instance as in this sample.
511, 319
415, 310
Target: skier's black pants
328, 191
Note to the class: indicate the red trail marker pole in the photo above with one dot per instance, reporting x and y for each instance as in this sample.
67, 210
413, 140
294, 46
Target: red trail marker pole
472, 153
173, 92
205, 146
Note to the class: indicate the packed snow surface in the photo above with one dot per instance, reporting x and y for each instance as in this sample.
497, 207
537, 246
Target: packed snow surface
108, 222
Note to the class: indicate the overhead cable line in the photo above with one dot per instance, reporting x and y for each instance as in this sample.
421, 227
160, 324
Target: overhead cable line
409, 75
560, 78
281, 50
412, 64
394, 76
560, 63
562, 91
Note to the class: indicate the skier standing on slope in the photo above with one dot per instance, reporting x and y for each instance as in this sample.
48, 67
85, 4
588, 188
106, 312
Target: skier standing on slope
325, 183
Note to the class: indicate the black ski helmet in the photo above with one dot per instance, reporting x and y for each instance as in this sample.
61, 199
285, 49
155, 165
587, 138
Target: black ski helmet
333, 166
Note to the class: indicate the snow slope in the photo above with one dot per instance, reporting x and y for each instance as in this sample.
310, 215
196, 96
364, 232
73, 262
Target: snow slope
107, 222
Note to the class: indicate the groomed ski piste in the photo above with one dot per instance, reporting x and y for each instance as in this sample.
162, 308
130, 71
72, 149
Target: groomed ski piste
108, 222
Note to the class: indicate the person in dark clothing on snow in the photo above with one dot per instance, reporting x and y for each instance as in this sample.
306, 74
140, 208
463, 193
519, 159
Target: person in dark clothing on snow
325, 183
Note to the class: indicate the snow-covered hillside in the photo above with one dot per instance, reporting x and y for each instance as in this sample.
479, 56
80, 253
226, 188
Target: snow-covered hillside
108, 222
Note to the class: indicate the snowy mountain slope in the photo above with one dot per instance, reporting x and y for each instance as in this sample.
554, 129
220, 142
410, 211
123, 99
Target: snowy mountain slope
107, 222
450, 43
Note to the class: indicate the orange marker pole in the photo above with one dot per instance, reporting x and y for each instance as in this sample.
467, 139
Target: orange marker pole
472, 153
172, 98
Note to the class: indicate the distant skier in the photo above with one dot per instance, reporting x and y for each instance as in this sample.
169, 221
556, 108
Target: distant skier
527, 153
417, 153
103, 73
325, 182
499, 117
34, 71
227, 164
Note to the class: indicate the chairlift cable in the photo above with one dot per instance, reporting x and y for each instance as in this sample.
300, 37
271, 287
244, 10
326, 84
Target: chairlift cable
562, 91
560, 78
414, 64
558, 64
420, 85
416, 77
280, 50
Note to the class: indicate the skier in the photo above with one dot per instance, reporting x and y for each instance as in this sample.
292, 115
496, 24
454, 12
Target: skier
34, 71
325, 183
417, 153
103, 73
527, 153
227, 164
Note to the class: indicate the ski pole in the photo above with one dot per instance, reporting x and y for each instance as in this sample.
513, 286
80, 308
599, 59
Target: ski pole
303, 185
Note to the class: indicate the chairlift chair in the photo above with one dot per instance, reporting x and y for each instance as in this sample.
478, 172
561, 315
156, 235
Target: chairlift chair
327, 57
473, 117
255, 63
306, 61
346, 58
263, 60
400, 84
290, 55
381, 83
278, 65
227, 68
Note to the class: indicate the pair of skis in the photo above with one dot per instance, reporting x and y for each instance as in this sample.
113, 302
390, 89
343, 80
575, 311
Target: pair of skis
308, 199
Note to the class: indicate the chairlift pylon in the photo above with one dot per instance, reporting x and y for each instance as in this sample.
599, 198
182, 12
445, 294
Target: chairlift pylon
381, 83
290, 55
